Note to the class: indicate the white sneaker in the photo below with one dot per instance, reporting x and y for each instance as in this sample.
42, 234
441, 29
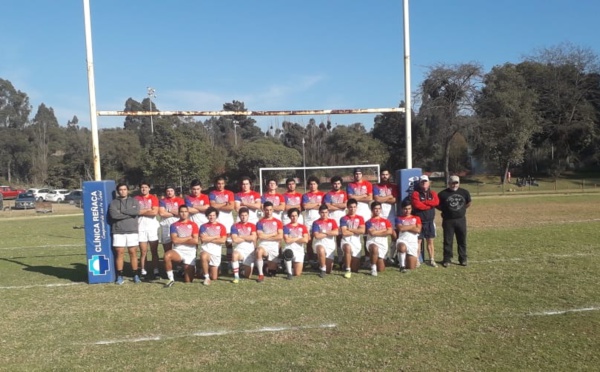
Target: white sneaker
373, 272
433, 264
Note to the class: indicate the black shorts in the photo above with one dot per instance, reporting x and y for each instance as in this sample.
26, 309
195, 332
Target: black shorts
428, 230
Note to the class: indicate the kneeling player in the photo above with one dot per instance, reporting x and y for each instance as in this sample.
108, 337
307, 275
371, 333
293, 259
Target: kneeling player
184, 236
409, 228
379, 229
212, 235
270, 234
324, 231
353, 227
243, 234
295, 236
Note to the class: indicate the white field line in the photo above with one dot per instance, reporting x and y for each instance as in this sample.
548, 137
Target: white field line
561, 312
214, 333
516, 259
46, 246
42, 285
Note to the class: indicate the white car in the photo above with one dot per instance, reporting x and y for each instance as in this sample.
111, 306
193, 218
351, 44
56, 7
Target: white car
56, 196
39, 194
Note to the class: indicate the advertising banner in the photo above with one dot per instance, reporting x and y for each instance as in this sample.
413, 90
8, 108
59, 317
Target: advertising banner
407, 178
97, 196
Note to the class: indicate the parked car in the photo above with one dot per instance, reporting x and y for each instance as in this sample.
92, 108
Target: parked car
39, 194
74, 197
56, 196
10, 192
25, 200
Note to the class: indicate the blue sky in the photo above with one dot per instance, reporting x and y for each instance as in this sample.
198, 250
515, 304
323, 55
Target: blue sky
271, 54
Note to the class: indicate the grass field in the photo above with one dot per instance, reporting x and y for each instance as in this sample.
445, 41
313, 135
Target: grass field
529, 300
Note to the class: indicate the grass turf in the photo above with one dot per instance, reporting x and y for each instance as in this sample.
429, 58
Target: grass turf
528, 257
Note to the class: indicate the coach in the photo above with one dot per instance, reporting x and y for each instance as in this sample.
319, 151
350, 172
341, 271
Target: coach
454, 202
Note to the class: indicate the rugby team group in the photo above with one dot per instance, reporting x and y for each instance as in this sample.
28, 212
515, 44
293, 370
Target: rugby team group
316, 225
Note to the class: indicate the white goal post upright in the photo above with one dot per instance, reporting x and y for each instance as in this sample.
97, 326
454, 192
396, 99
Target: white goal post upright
314, 168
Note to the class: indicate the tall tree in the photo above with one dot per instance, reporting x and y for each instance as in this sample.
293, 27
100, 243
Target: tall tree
352, 144
448, 96
14, 106
45, 135
508, 120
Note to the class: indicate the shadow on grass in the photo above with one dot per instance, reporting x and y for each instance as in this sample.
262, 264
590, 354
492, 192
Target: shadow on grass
76, 273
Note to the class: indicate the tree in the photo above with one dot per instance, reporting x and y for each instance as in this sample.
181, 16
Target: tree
352, 145
508, 120
14, 106
264, 152
390, 129
448, 96
45, 135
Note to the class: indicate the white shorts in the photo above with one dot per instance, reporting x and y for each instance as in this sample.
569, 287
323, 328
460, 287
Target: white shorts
355, 245
271, 248
383, 247
125, 240
188, 255
214, 260
411, 246
328, 244
226, 219
363, 210
148, 236
298, 252
246, 251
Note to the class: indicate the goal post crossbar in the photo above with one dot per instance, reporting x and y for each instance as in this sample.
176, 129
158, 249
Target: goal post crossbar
260, 172
253, 113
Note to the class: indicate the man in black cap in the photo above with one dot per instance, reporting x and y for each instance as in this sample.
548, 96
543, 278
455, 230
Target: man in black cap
454, 202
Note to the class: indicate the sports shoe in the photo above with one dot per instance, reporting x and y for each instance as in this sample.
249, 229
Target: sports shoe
321, 274
157, 275
120, 280
373, 272
206, 281
169, 284
143, 272
432, 263
418, 263
403, 270
463, 263
235, 281
289, 276
348, 275
445, 263
136, 279
261, 278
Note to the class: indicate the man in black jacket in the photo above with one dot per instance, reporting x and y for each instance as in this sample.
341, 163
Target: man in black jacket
123, 212
454, 202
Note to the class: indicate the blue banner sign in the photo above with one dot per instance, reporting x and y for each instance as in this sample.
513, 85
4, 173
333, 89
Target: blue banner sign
97, 196
407, 179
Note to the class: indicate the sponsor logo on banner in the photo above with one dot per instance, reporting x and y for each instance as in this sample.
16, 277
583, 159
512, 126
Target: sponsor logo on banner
99, 265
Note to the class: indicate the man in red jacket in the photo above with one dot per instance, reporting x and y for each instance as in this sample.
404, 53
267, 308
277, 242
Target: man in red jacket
424, 201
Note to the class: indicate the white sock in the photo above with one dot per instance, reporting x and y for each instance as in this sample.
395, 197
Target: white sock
259, 266
323, 268
236, 269
288, 266
206, 276
170, 275
374, 267
144, 272
402, 259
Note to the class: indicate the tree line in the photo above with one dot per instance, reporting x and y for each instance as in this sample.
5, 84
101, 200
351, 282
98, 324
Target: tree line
537, 116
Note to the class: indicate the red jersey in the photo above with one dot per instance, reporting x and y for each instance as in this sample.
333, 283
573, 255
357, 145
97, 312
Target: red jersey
359, 188
224, 196
243, 229
293, 199
269, 225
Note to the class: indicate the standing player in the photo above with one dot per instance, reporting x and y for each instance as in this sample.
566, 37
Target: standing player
311, 201
353, 227
386, 193
168, 212
212, 236
270, 234
243, 234
124, 211
293, 199
379, 229
454, 202
324, 232
274, 197
248, 198
362, 191
184, 235
424, 201
223, 201
197, 203
295, 236
336, 199
148, 228
409, 228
